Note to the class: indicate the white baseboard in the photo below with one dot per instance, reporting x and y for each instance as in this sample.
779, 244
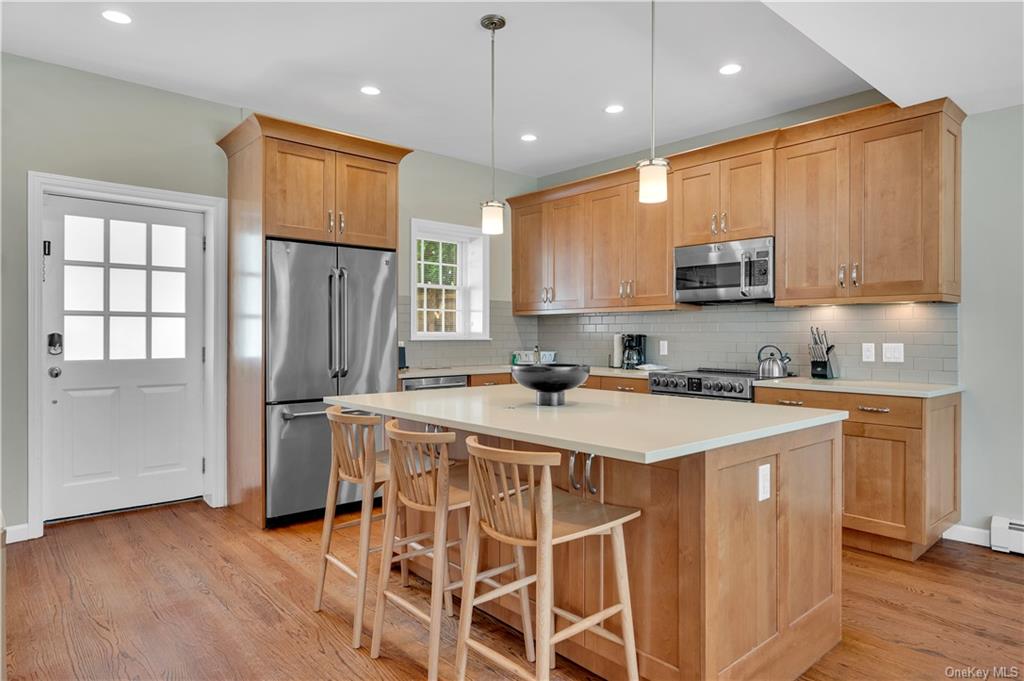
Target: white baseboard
16, 533
968, 535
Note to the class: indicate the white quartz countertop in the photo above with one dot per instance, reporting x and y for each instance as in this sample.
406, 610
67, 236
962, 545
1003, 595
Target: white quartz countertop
634, 427
839, 385
506, 368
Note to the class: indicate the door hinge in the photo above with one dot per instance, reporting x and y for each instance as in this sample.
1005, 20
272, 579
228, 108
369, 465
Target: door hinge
204, 465
204, 354
204, 242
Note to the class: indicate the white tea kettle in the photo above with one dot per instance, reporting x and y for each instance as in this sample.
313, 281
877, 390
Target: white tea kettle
772, 366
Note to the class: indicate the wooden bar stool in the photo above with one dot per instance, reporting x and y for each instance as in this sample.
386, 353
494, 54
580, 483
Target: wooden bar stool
427, 481
537, 515
354, 459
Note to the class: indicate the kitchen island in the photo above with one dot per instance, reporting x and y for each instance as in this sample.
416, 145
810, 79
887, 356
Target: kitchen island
735, 561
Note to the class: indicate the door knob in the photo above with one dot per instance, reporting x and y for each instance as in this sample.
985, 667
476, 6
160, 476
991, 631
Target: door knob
54, 372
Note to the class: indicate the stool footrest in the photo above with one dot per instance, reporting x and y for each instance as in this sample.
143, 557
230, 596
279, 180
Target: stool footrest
424, 551
408, 607
484, 577
500, 660
341, 566
587, 623
504, 589
354, 523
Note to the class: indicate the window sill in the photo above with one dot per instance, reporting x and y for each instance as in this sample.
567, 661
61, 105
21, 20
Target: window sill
430, 339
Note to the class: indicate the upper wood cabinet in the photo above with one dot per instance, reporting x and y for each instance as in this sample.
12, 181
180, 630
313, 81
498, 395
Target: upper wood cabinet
548, 263
529, 259
725, 200
299, 191
608, 240
366, 203
652, 262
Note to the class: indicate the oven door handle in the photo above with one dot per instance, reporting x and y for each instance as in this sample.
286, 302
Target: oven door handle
744, 283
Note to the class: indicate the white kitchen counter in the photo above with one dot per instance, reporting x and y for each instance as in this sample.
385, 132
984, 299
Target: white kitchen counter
506, 368
630, 426
839, 385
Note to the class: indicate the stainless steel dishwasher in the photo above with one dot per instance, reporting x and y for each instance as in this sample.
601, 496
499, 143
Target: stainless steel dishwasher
434, 383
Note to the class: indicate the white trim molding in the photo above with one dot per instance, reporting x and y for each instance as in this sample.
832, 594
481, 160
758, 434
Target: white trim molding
214, 210
968, 535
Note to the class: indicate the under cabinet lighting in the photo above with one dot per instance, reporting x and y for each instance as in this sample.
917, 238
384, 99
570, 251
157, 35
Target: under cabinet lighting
116, 17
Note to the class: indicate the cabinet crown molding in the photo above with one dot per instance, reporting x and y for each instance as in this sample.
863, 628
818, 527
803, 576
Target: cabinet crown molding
260, 125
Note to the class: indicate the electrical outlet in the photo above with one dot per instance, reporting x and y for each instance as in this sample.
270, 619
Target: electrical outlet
663, 348
867, 352
892, 352
764, 481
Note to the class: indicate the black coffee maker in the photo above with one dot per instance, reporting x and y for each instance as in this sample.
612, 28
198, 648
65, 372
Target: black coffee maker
634, 350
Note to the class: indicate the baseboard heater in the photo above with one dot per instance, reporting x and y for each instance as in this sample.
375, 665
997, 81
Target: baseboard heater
1007, 535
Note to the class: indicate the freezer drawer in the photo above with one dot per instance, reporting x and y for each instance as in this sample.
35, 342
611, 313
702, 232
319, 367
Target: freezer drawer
299, 459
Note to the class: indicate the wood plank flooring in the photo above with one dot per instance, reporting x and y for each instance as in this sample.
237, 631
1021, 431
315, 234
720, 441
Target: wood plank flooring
189, 592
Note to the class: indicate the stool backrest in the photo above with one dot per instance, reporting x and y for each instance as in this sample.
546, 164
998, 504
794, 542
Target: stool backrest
419, 462
512, 489
353, 442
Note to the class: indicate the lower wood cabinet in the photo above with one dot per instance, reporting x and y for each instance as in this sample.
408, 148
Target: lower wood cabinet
489, 379
901, 470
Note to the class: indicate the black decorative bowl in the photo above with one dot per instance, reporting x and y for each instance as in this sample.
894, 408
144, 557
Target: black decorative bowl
550, 380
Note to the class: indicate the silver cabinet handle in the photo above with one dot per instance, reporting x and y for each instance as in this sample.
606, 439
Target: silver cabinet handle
622, 286
544, 295
842, 275
853, 274
724, 227
586, 474
330, 220
551, 294
572, 471
490, 383
714, 223
341, 222
874, 410
792, 403
630, 290
625, 388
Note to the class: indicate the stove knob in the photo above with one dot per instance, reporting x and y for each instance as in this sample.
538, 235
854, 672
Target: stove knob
718, 386
738, 387
673, 383
727, 387
707, 385
655, 381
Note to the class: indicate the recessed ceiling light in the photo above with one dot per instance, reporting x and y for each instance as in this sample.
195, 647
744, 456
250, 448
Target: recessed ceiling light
117, 17
730, 69
370, 90
614, 108
529, 137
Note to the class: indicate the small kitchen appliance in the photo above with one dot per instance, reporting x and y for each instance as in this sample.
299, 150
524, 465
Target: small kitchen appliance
729, 271
708, 383
772, 366
634, 350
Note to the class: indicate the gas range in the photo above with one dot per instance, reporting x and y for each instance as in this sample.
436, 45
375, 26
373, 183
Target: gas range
725, 384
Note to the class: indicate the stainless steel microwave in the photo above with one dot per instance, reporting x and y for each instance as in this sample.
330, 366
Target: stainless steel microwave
730, 271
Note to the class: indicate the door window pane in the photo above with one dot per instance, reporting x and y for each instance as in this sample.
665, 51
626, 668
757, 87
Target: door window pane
83, 288
83, 337
128, 242
83, 238
127, 291
168, 337
127, 338
168, 246
168, 292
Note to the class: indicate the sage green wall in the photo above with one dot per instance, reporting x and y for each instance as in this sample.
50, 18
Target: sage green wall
70, 122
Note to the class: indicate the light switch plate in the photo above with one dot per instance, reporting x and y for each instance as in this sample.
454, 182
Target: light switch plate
663, 347
892, 352
764, 481
867, 352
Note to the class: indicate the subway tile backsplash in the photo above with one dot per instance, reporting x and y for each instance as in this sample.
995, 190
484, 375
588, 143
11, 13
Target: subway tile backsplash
728, 336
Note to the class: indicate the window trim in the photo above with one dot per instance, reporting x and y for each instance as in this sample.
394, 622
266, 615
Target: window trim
467, 238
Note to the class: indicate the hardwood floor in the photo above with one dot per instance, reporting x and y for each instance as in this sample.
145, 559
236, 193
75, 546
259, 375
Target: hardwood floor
189, 592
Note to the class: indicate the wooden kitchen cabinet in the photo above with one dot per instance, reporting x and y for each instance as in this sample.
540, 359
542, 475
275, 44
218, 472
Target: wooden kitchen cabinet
548, 262
651, 263
609, 217
366, 202
299, 191
529, 259
628, 385
901, 468
725, 200
489, 379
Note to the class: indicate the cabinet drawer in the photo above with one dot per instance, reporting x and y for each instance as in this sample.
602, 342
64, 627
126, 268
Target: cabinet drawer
489, 379
592, 382
629, 385
880, 409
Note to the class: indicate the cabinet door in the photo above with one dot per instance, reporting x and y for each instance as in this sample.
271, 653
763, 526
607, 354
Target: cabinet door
563, 229
367, 202
609, 216
299, 191
696, 204
812, 224
882, 480
529, 259
747, 203
652, 267
894, 208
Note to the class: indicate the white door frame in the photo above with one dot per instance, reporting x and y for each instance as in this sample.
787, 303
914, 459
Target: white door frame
214, 210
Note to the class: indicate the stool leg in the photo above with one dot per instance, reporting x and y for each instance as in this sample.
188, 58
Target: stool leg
524, 605
554, 630
438, 580
365, 521
449, 606
469, 569
402, 518
328, 531
622, 586
544, 602
386, 554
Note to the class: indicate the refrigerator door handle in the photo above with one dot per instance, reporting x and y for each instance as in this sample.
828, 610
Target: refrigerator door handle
332, 323
343, 333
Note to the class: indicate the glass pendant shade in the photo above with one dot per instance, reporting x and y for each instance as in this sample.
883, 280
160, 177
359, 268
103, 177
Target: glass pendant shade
492, 217
653, 180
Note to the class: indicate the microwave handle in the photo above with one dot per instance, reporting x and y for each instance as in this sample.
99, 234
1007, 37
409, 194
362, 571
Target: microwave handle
744, 284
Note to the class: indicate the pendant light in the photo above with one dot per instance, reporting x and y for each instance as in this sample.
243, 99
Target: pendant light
653, 171
492, 213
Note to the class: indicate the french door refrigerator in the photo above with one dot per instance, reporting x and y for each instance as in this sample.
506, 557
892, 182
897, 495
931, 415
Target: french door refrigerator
331, 330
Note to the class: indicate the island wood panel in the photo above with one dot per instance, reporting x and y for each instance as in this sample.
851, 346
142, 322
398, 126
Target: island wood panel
651, 258
696, 204
942, 441
812, 219
747, 196
366, 196
530, 259
609, 216
564, 236
299, 191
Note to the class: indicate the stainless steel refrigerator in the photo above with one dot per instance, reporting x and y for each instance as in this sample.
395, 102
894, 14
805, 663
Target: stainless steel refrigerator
331, 330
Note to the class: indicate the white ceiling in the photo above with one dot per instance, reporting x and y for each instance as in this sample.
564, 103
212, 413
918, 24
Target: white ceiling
913, 52
559, 64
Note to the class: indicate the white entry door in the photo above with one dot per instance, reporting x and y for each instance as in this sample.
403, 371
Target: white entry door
122, 314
